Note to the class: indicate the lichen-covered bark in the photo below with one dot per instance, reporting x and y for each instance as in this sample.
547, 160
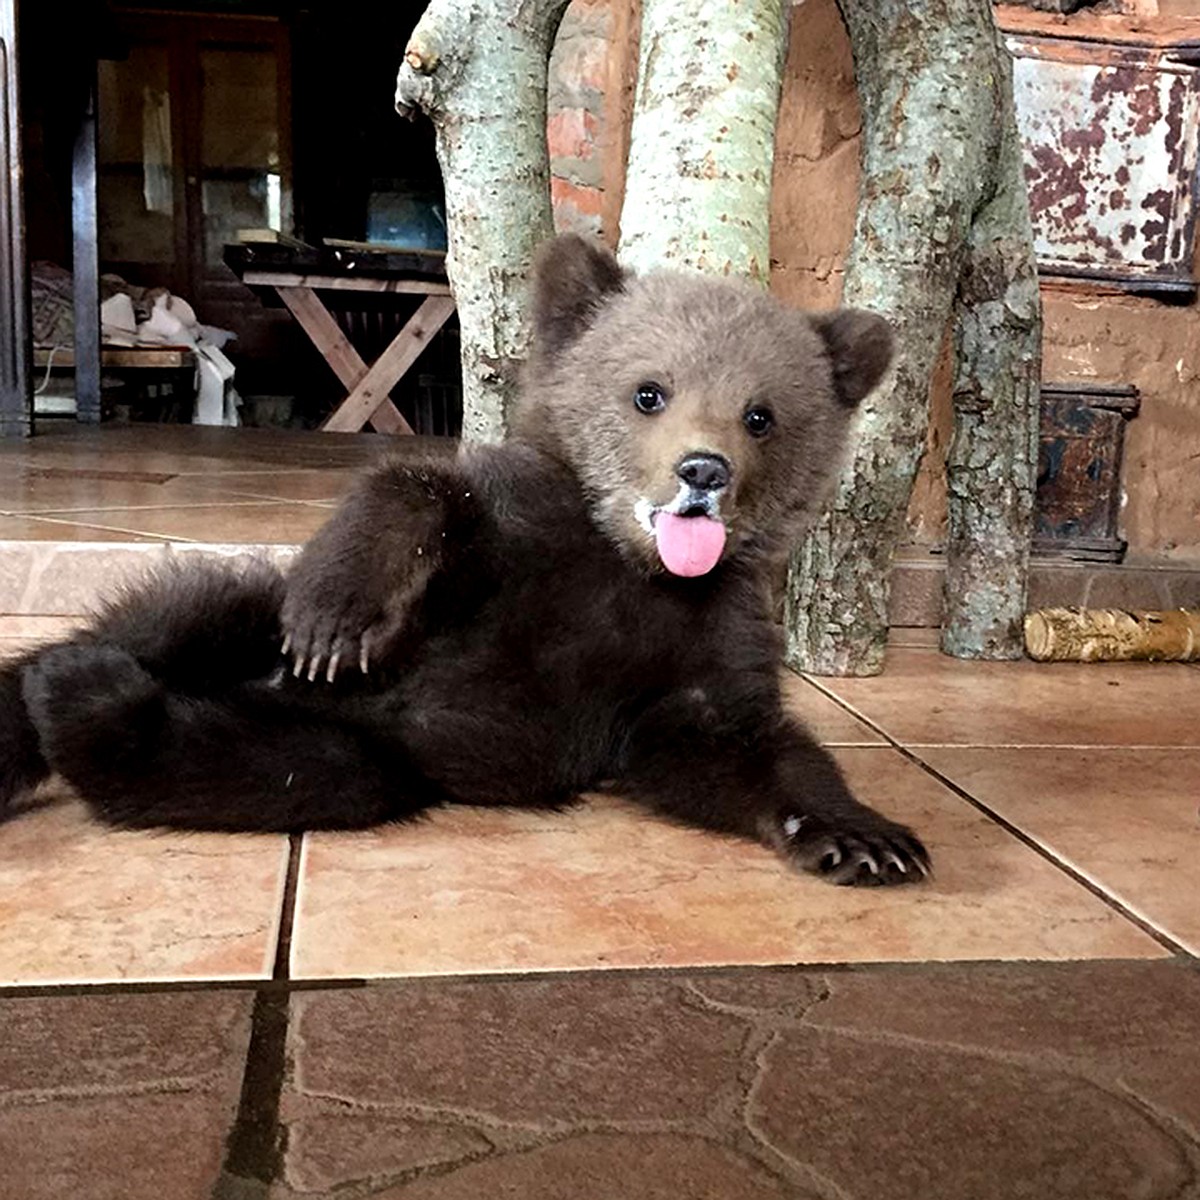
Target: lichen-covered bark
931, 76
699, 177
992, 464
479, 71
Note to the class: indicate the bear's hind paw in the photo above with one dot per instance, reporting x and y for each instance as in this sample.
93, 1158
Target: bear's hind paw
84, 696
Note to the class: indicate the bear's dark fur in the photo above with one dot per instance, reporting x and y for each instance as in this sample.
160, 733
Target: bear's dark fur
500, 628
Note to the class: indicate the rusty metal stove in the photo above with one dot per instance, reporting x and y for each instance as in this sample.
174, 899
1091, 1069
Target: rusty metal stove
1111, 148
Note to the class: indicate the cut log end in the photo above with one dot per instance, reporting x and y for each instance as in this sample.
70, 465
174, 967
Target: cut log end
1112, 635
421, 58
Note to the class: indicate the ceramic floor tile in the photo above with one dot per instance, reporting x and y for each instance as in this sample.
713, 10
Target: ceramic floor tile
927, 698
119, 1097
824, 718
241, 521
473, 890
1125, 819
999, 1081
81, 903
67, 529
28, 490
307, 486
43, 580
190, 449
117, 457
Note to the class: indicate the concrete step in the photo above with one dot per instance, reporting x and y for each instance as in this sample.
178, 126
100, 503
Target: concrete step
66, 578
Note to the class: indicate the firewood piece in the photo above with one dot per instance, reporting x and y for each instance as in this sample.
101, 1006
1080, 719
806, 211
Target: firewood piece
1112, 635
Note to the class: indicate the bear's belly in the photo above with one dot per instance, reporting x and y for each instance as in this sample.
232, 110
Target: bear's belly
531, 702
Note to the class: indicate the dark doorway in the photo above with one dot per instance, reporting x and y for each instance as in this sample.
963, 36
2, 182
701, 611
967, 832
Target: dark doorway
195, 145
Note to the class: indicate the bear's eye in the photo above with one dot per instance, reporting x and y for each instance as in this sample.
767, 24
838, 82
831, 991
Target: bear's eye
649, 398
758, 421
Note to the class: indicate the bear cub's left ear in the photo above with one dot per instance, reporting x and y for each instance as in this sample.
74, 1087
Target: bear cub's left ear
572, 278
860, 346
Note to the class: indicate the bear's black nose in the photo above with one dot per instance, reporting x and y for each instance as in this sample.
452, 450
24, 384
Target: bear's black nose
705, 472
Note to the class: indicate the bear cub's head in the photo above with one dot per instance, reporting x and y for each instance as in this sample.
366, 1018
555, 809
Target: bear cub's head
704, 420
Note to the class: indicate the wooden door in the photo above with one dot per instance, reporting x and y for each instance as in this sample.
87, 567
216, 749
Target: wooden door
195, 144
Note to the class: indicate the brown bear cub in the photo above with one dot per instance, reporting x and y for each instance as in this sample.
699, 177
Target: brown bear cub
585, 606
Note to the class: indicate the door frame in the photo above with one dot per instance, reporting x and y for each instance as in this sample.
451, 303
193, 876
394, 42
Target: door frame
16, 392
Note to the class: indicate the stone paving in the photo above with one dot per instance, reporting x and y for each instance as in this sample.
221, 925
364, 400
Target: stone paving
976, 1080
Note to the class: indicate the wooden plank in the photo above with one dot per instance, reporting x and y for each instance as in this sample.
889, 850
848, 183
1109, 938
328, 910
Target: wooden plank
85, 232
347, 364
1117, 29
406, 347
270, 237
379, 247
261, 277
16, 398
387, 418
160, 358
324, 333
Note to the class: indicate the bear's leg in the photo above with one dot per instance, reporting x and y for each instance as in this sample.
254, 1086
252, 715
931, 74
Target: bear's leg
22, 766
198, 627
776, 786
142, 755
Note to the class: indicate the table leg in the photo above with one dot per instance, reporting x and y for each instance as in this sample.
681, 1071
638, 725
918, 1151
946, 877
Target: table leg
326, 334
372, 390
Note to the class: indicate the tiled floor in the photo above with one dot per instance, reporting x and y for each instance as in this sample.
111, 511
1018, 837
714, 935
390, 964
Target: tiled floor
179, 483
594, 1003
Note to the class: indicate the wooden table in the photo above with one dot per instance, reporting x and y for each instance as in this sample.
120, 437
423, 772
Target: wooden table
297, 275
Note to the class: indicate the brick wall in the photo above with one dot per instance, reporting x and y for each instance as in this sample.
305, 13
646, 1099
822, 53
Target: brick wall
579, 73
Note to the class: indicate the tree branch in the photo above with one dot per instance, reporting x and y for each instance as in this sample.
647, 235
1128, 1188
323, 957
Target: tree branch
478, 70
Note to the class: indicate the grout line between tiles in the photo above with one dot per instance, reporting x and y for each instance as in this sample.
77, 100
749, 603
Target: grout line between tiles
289, 987
1163, 939
254, 1145
1192, 746
287, 909
148, 538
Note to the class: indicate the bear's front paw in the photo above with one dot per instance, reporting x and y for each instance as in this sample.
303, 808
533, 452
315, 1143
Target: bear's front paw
864, 850
321, 636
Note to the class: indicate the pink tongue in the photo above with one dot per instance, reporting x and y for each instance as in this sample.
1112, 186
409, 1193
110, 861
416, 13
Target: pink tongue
688, 545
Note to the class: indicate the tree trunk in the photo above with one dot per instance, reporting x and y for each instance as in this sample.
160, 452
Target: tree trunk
991, 467
479, 72
698, 188
934, 81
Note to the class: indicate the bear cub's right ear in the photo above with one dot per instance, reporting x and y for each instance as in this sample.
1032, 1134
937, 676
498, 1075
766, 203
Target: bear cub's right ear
572, 278
861, 346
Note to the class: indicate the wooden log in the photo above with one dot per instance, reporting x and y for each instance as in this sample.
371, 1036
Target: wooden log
1112, 635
